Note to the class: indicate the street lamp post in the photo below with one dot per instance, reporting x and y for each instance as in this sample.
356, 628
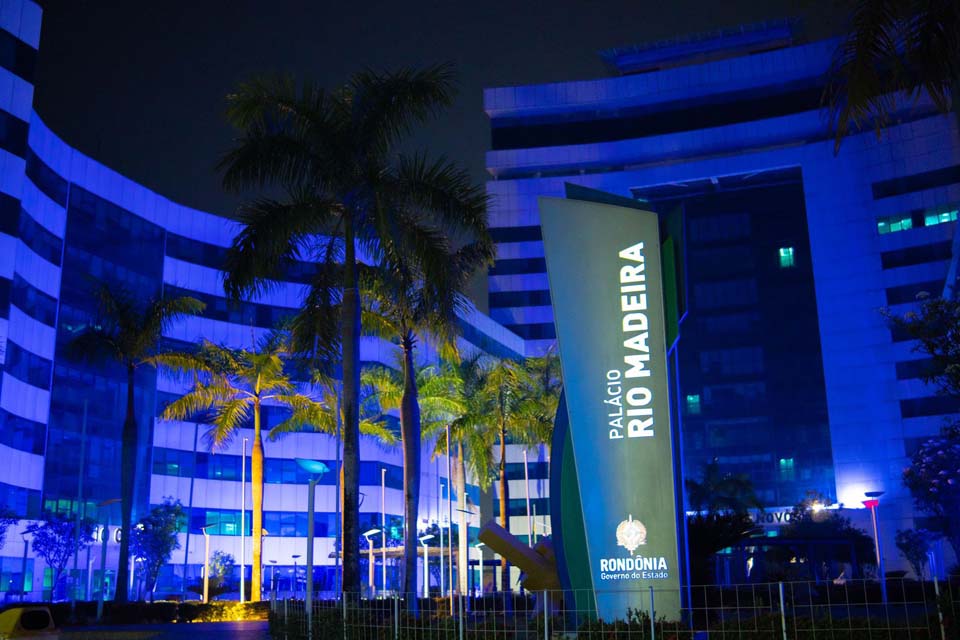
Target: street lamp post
479, 547
370, 570
426, 564
296, 576
206, 564
23, 567
243, 515
273, 578
316, 469
873, 503
450, 517
383, 525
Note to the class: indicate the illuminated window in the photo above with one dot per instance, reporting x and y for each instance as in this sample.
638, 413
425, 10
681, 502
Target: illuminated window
786, 257
892, 224
693, 404
933, 218
786, 468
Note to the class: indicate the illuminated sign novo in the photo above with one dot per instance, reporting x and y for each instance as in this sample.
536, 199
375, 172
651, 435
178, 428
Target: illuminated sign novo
603, 264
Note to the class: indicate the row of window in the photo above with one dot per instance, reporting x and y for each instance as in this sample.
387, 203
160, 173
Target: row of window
518, 266
726, 293
22, 434
26, 366
485, 343
46, 179
33, 302
17, 57
929, 406
621, 124
916, 182
535, 331
13, 133
284, 524
518, 506
39, 240
914, 219
200, 464
728, 362
25, 503
529, 233
501, 299
921, 254
909, 292
220, 308
9, 215
719, 228
214, 257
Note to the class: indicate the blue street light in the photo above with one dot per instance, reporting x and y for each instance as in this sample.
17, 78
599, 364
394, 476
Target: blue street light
316, 469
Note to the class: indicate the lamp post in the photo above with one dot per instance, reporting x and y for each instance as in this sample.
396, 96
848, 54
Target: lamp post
450, 516
383, 525
316, 469
23, 567
426, 564
526, 487
273, 578
370, 560
243, 515
296, 575
873, 503
206, 564
479, 547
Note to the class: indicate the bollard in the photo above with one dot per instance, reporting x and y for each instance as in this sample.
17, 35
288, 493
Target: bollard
783, 614
653, 616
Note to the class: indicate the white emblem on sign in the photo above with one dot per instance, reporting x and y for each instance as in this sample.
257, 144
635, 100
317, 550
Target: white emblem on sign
631, 534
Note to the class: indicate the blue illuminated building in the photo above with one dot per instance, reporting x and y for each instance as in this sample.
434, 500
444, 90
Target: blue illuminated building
66, 218
788, 372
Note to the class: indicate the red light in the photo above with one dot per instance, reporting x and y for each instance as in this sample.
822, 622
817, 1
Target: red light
871, 504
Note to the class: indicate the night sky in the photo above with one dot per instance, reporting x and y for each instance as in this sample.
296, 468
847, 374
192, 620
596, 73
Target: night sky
140, 86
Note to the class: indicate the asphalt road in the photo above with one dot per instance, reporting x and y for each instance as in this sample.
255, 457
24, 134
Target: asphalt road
194, 631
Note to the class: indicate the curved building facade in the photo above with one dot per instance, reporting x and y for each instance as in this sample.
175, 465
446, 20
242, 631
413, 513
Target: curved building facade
66, 219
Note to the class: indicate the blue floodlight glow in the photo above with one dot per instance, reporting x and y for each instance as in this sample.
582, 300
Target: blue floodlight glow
312, 466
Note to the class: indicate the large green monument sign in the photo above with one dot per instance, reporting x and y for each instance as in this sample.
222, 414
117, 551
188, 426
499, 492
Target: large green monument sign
606, 287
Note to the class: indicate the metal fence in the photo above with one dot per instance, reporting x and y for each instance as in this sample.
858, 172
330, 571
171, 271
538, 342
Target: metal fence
775, 611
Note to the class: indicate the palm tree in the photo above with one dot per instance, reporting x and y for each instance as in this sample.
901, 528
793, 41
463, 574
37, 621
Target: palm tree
329, 160
128, 331
424, 393
233, 386
401, 304
540, 384
894, 52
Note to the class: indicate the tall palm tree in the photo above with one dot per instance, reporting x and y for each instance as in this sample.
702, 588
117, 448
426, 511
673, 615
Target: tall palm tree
400, 305
424, 393
232, 386
540, 383
894, 52
129, 331
337, 184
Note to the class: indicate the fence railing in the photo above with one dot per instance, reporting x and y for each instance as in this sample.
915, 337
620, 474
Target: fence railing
775, 611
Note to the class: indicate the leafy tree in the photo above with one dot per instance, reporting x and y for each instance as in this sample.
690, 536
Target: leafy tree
230, 388
7, 518
895, 51
722, 502
221, 568
128, 331
540, 383
933, 479
330, 161
932, 476
154, 539
428, 390
55, 541
914, 545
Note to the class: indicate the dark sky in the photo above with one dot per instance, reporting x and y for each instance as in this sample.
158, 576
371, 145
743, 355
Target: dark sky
140, 85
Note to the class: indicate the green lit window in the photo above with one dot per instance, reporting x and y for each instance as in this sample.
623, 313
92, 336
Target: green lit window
786, 468
934, 218
693, 404
786, 257
892, 224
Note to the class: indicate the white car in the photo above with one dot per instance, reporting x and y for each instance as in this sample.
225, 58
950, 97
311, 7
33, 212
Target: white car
27, 622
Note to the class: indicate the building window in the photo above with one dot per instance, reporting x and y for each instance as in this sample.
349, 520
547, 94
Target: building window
693, 404
786, 258
932, 218
786, 468
896, 223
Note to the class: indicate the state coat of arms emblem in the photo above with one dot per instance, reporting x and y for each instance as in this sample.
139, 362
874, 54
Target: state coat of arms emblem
631, 534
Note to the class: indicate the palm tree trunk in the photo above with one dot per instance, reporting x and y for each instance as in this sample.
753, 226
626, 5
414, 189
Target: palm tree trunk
410, 438
463, 532
256, 494
351, 415
128, 476
504, 499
